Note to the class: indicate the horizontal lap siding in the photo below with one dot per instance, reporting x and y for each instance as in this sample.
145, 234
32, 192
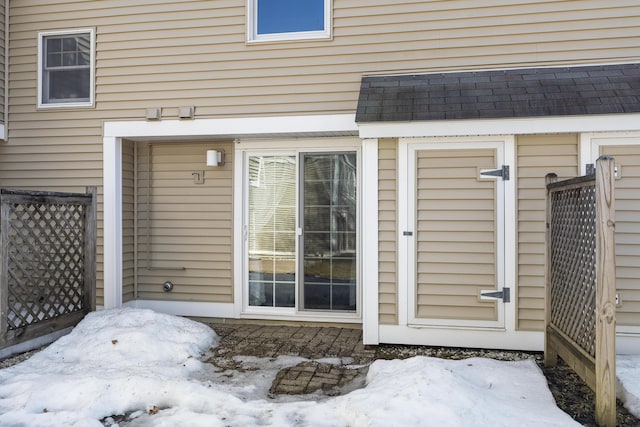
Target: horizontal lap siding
184, 228
173, 53
456, 252
170, 53
627, 232
387, 233
537, 156
128, 221
3, 47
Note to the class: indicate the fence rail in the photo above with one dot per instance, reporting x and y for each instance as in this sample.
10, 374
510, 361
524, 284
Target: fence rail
47, 273
580, 313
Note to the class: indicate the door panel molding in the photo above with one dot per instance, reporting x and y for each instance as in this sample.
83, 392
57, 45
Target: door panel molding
504, 244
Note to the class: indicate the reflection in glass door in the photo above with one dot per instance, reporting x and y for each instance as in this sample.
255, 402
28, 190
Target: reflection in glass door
329, 244
272, 231
323, 218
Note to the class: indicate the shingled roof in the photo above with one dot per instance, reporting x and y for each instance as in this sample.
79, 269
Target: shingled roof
527, 92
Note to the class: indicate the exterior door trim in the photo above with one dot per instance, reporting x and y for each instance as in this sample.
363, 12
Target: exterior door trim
406, 246
279, 146
627, 337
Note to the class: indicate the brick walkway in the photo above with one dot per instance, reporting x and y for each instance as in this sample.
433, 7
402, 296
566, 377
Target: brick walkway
337, 355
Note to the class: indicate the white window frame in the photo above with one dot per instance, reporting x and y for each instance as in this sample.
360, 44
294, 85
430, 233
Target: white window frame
252, 26
71, 104
247, 147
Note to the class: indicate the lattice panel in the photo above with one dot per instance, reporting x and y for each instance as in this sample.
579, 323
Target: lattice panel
46, 262
573, 264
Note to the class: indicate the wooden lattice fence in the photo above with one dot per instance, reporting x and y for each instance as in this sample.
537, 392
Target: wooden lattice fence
47, 273
580, 313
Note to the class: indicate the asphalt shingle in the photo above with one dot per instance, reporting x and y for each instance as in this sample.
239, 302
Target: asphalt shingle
527, 92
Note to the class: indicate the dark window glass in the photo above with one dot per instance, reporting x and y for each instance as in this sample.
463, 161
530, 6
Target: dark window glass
66, 73
329, 241
69, 85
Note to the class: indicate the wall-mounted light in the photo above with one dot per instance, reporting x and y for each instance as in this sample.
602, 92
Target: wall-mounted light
215, 158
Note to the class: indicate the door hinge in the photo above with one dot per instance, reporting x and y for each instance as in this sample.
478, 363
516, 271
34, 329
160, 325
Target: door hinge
502, 172
591, 170
504, 295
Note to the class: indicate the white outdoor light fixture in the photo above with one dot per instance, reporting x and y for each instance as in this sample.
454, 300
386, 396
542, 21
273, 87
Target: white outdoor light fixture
215, 158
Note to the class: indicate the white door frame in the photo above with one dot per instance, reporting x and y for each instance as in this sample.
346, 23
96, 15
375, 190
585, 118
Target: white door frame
591, 142
627, 337
275, 147
506, 243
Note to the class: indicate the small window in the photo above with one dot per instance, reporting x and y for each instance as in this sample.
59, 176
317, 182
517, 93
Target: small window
270, 20
65, 74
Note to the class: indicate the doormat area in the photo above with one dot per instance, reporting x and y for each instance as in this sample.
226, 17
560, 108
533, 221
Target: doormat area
311, 377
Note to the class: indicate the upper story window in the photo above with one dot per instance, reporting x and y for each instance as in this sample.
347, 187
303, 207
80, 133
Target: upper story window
65, 68
272, 20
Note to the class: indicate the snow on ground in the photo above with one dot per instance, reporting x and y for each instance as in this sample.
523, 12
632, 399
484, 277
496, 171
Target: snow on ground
628, 374
146, 365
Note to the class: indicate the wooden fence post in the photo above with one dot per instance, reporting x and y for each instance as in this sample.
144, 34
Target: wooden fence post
90, 238
550, 353
605, 294
4, 271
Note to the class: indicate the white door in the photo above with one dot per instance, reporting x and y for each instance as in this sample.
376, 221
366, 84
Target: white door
459, 259
625, 149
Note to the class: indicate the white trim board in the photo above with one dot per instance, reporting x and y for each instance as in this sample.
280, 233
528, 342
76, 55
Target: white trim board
185, 308
226, 310
325, 125
369, 254
112, 220
512, 126
469, 338
114, 132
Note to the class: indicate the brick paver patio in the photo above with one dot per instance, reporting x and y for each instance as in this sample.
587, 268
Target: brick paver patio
319, 344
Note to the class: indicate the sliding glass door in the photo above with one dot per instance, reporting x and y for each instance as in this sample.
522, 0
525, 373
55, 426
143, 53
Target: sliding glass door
302, 231
329, 243
272, 231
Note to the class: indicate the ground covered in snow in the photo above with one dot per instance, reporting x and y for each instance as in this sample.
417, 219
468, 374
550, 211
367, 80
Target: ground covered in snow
139, 368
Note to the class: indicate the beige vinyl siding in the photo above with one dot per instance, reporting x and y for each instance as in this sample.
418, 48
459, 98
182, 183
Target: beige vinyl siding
387, 231
63, 165
627, 232
3, 51
456, 231
167, 53
184, 228
537, 155
128, 221
172, 53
